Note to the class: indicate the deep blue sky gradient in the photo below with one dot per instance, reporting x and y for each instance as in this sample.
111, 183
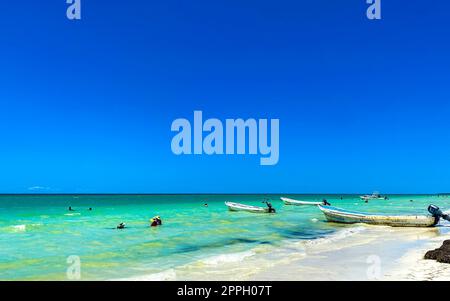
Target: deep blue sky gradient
86, 106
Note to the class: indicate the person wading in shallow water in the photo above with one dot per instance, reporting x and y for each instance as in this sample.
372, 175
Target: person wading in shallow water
156, 221
325, 202
269, 205
121, 226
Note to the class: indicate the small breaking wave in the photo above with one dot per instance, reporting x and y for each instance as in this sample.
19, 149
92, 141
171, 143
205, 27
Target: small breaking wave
336, 236
72, 214
167, 275
228, 258
19, 228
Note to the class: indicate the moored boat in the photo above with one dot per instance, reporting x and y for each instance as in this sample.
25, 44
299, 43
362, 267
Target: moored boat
339, 215
242, 207
289, 201
374, 196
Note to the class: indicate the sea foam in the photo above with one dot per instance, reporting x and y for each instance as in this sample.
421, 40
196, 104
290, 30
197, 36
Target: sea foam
19, 228
336, 236
227, 258
167, 275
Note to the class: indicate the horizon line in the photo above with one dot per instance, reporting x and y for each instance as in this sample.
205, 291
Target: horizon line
220, 193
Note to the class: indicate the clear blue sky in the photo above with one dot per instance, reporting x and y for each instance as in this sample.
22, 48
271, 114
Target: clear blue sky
87, 106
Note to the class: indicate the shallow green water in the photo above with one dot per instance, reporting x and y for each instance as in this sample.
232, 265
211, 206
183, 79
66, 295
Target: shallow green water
38, 233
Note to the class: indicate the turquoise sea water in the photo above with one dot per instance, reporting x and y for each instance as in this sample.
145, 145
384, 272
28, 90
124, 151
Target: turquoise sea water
38, 233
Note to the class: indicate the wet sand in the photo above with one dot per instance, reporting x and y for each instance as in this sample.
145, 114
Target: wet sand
379, 253
359, 253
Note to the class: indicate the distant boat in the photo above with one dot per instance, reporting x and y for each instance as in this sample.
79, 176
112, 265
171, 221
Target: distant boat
242, 207
374, 196
289, 201
339, 215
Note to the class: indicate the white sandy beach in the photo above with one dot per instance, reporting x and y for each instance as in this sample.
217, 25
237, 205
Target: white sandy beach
377, 253
359, 253
412, 266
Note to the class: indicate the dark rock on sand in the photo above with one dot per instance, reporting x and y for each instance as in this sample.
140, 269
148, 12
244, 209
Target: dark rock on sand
433, 254
443, 258
441, 255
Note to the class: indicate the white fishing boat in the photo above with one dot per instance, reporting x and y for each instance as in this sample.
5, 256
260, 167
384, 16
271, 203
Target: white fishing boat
289, 201
339, 215
374, 196
242, 207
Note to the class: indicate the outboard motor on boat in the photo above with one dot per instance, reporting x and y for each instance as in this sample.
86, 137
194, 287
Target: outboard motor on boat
437, 213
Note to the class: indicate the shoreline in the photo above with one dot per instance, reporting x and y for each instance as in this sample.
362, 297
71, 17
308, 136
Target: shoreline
209, 243
377, 253
413, 267
356, 253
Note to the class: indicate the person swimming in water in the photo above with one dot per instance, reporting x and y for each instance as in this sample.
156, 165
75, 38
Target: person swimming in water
325, 202
70, 209
121, 226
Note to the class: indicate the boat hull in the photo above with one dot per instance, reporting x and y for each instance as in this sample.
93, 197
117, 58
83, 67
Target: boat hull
288, 201
338, 215
246, 208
